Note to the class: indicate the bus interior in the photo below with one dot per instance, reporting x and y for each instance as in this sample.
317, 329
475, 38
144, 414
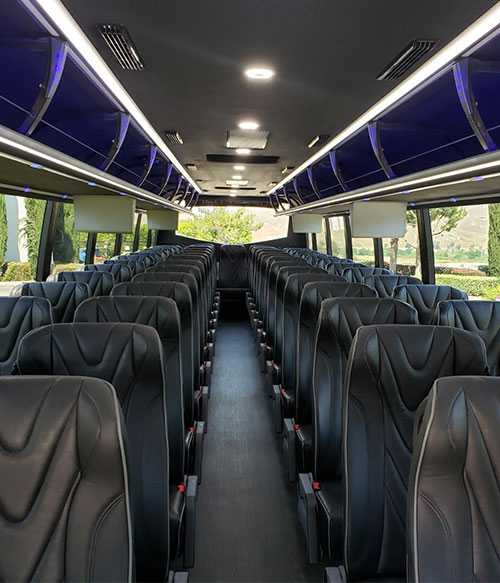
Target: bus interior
250, 291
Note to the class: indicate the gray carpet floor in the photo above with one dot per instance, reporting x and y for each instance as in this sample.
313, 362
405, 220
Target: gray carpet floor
247, 525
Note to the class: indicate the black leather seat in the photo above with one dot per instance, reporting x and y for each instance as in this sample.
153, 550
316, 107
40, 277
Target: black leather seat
291, 306
200, 325
480, 317
63, 482
425, 298
180, 293
136, 265
100, 282
338, 321
277, 327
18, 316
391, 369
454, 493
337, 267
384, 284
233, 269
355, 274
120, 271
296, 404
130, 357
64, 296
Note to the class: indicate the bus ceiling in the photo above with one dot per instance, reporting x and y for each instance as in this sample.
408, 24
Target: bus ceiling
397, 104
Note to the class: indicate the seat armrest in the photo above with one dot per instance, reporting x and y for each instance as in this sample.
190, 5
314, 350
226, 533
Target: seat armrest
191, 497
278, 408
199, 440
308, 516
178, 577
289, 448
335, 575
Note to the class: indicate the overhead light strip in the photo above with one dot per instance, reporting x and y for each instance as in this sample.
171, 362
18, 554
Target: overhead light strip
67, 25
37, 151
400, 185
464, 41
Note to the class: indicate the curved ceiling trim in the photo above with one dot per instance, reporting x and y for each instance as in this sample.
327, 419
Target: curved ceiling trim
443, 59
59, 16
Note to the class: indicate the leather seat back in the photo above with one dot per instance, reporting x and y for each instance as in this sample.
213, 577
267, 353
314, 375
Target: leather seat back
146, 259
454, 496
120, 271
18, 316
384, 284
100, 282
136, 265
338, 321
336, 268
179, 292
64, 492
312, 297
200, 324
233, 269
277, 328
356, 274
391, 369
425, 298
291, 304
480, 317
129, 356
64, 296
162, 315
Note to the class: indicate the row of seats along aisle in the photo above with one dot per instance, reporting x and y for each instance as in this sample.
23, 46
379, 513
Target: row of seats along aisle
103, 406
380, 387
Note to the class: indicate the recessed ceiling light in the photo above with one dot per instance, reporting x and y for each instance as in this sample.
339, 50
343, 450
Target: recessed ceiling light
232, 193
239, 167
243, 151
237, 177
248, 125
260, 73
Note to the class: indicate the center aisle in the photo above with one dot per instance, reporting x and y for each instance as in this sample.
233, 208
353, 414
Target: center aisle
247, 526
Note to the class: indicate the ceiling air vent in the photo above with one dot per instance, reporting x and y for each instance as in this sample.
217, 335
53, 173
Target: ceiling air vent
410, 55
173, 137
122, 46
254, 140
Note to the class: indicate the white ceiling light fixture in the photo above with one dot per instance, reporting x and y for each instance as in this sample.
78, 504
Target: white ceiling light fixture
458, 46
243, 151
67, 25
233, 194
259, 73
239, 167
248, 125
237, 177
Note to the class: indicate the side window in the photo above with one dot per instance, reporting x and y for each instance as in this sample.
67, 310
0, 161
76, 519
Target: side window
337, 234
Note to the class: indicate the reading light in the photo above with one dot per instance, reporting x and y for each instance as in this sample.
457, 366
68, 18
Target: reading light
239, 167
259, 73
454, 49
232, 194
242, 151
237, 177
62, 19
248, 125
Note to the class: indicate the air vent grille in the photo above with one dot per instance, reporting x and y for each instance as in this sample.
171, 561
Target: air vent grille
255, 140
408, 57
121, 45
173, 137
